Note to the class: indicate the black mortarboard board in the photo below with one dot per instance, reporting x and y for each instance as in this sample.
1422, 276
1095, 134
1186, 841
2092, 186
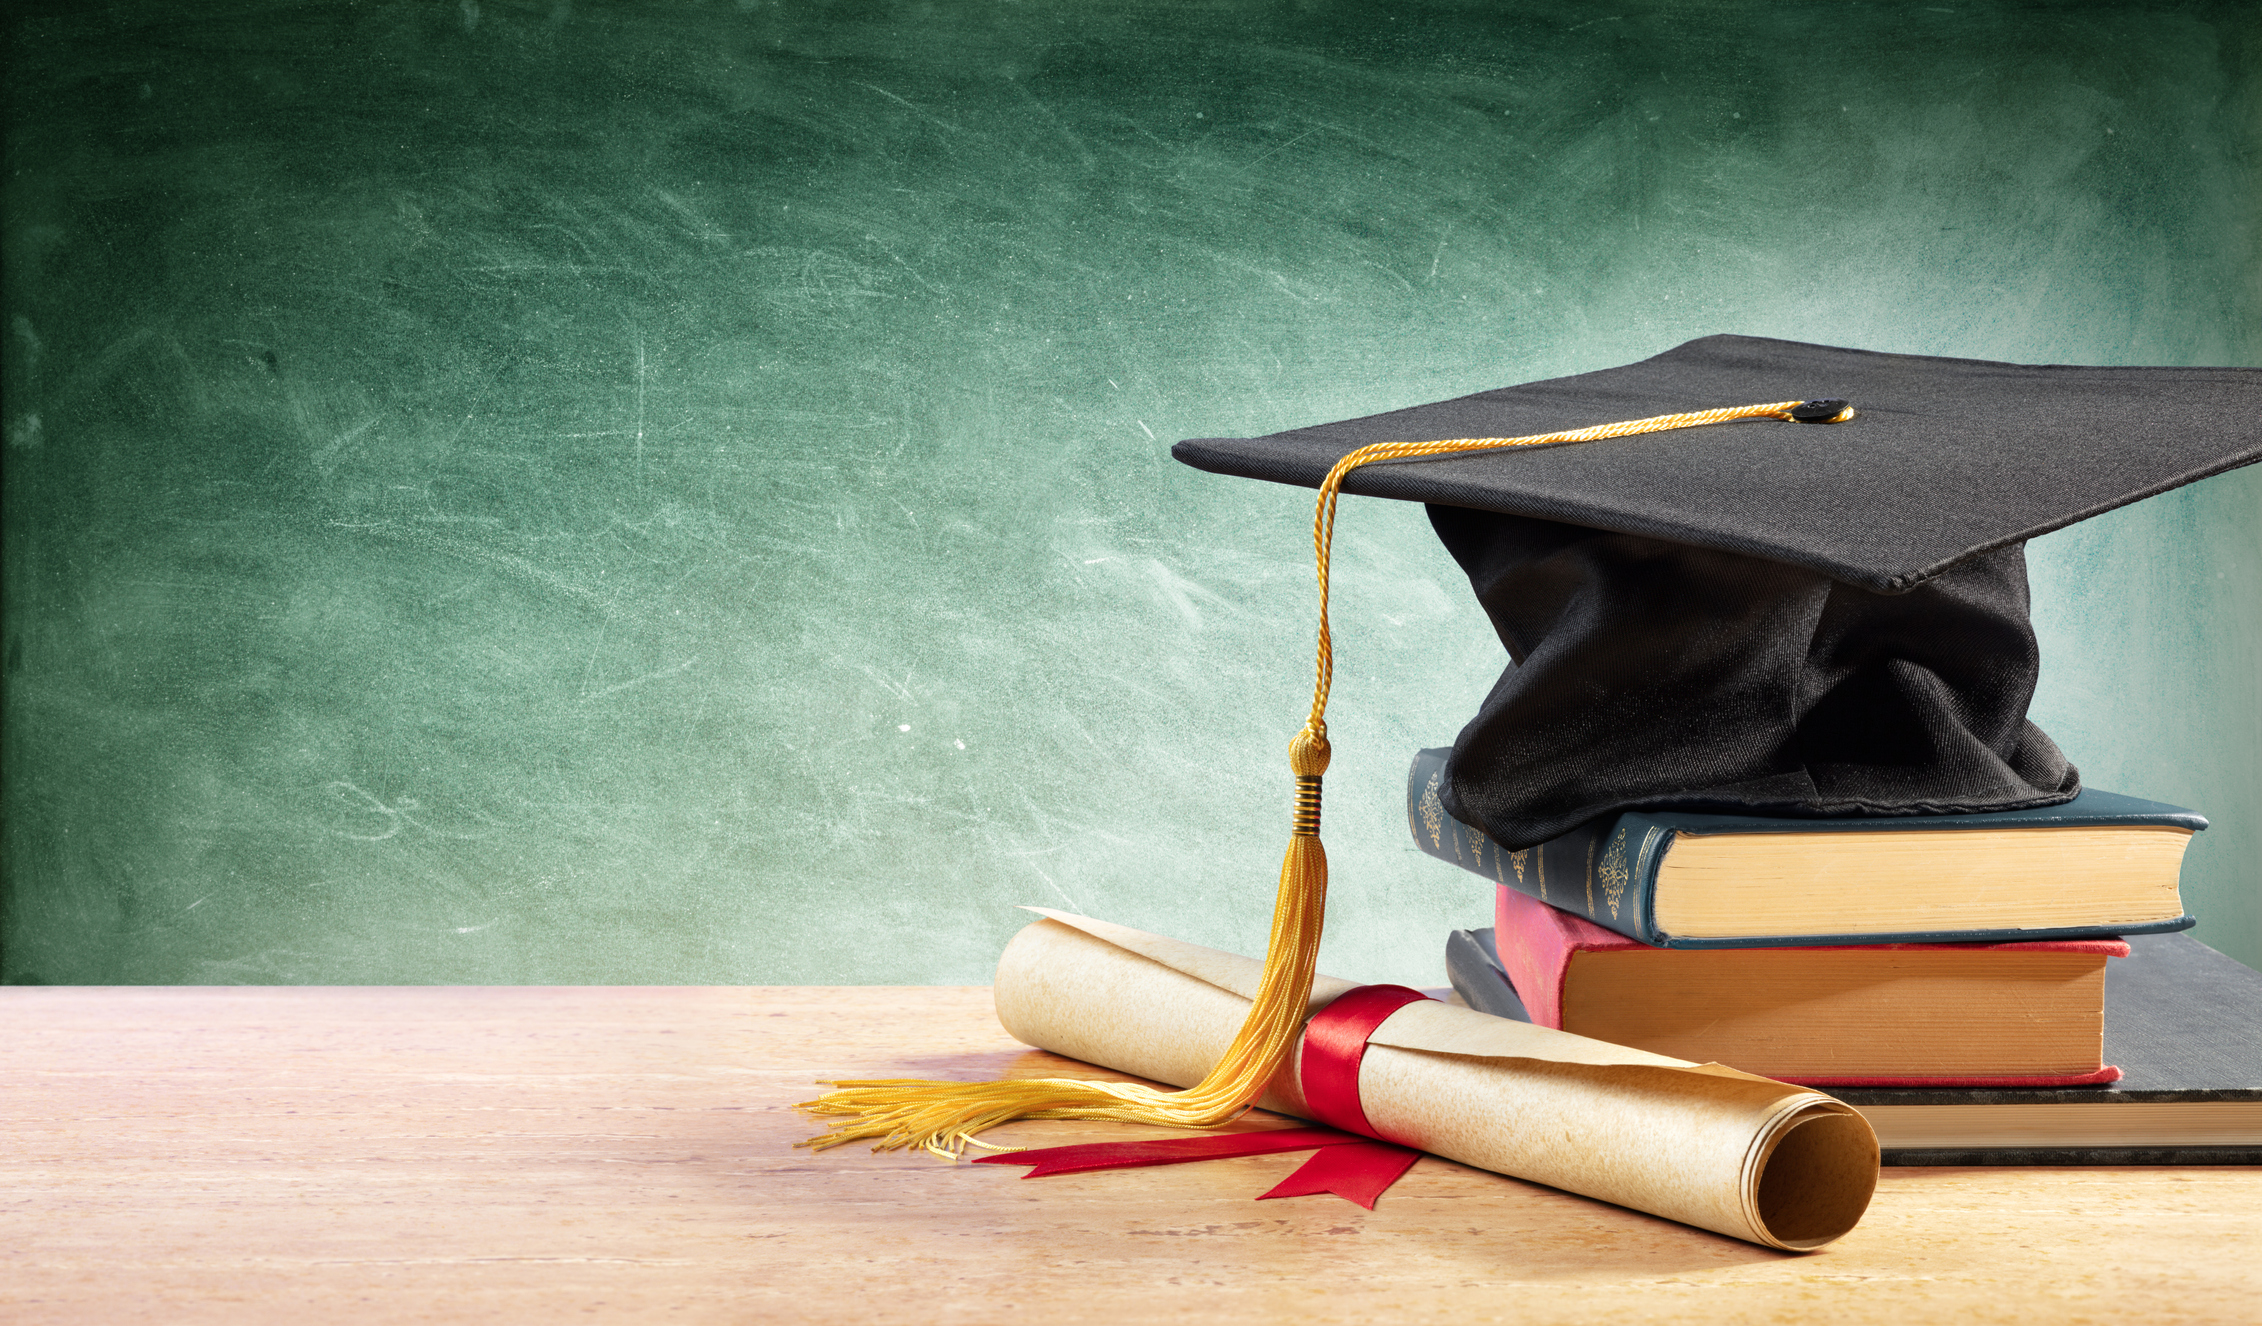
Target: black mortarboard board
1764, 617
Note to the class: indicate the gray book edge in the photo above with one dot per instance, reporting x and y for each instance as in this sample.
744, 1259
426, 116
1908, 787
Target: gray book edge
1473, 968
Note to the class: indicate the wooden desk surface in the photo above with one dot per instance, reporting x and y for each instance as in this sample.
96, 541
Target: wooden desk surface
443, 1155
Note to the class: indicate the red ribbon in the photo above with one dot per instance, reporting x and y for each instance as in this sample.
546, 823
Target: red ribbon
1352, 1163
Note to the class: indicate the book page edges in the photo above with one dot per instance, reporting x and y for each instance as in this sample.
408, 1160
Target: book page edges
1760, 884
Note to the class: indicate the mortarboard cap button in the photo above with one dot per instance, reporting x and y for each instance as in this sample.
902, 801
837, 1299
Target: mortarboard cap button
1819, 412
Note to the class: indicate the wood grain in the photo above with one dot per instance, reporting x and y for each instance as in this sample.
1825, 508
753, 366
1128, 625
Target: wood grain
252, 1155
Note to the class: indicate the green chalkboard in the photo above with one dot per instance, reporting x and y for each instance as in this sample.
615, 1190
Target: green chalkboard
679, 493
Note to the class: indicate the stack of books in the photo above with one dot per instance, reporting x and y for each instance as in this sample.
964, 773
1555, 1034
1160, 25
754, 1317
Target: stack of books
2001, 988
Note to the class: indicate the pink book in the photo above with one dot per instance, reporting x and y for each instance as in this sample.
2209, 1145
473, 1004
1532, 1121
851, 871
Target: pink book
2026, 1014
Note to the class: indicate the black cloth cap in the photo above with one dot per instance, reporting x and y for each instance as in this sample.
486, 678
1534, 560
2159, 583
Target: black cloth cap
1771, 617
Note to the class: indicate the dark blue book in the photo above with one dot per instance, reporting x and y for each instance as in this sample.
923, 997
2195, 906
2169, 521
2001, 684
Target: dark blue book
2101, 864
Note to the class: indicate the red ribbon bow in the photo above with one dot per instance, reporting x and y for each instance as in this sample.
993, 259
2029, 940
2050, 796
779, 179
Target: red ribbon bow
1351, 1160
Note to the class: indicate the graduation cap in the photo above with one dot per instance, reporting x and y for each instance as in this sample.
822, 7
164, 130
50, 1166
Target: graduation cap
1705, 604
1750, 616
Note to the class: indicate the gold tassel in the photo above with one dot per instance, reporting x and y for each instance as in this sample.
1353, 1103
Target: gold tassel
944, 1117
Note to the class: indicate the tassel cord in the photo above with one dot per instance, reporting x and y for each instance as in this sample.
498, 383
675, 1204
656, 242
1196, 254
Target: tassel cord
943, 1118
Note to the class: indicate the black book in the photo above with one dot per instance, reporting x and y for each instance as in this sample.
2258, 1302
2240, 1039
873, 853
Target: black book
2183, 1022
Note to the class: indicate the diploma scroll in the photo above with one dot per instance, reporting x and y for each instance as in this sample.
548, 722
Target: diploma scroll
1777, 1165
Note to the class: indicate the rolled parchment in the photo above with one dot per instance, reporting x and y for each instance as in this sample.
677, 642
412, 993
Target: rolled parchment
1761, 1160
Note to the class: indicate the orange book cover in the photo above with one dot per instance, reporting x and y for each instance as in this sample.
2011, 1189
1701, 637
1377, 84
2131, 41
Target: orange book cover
1536, 944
